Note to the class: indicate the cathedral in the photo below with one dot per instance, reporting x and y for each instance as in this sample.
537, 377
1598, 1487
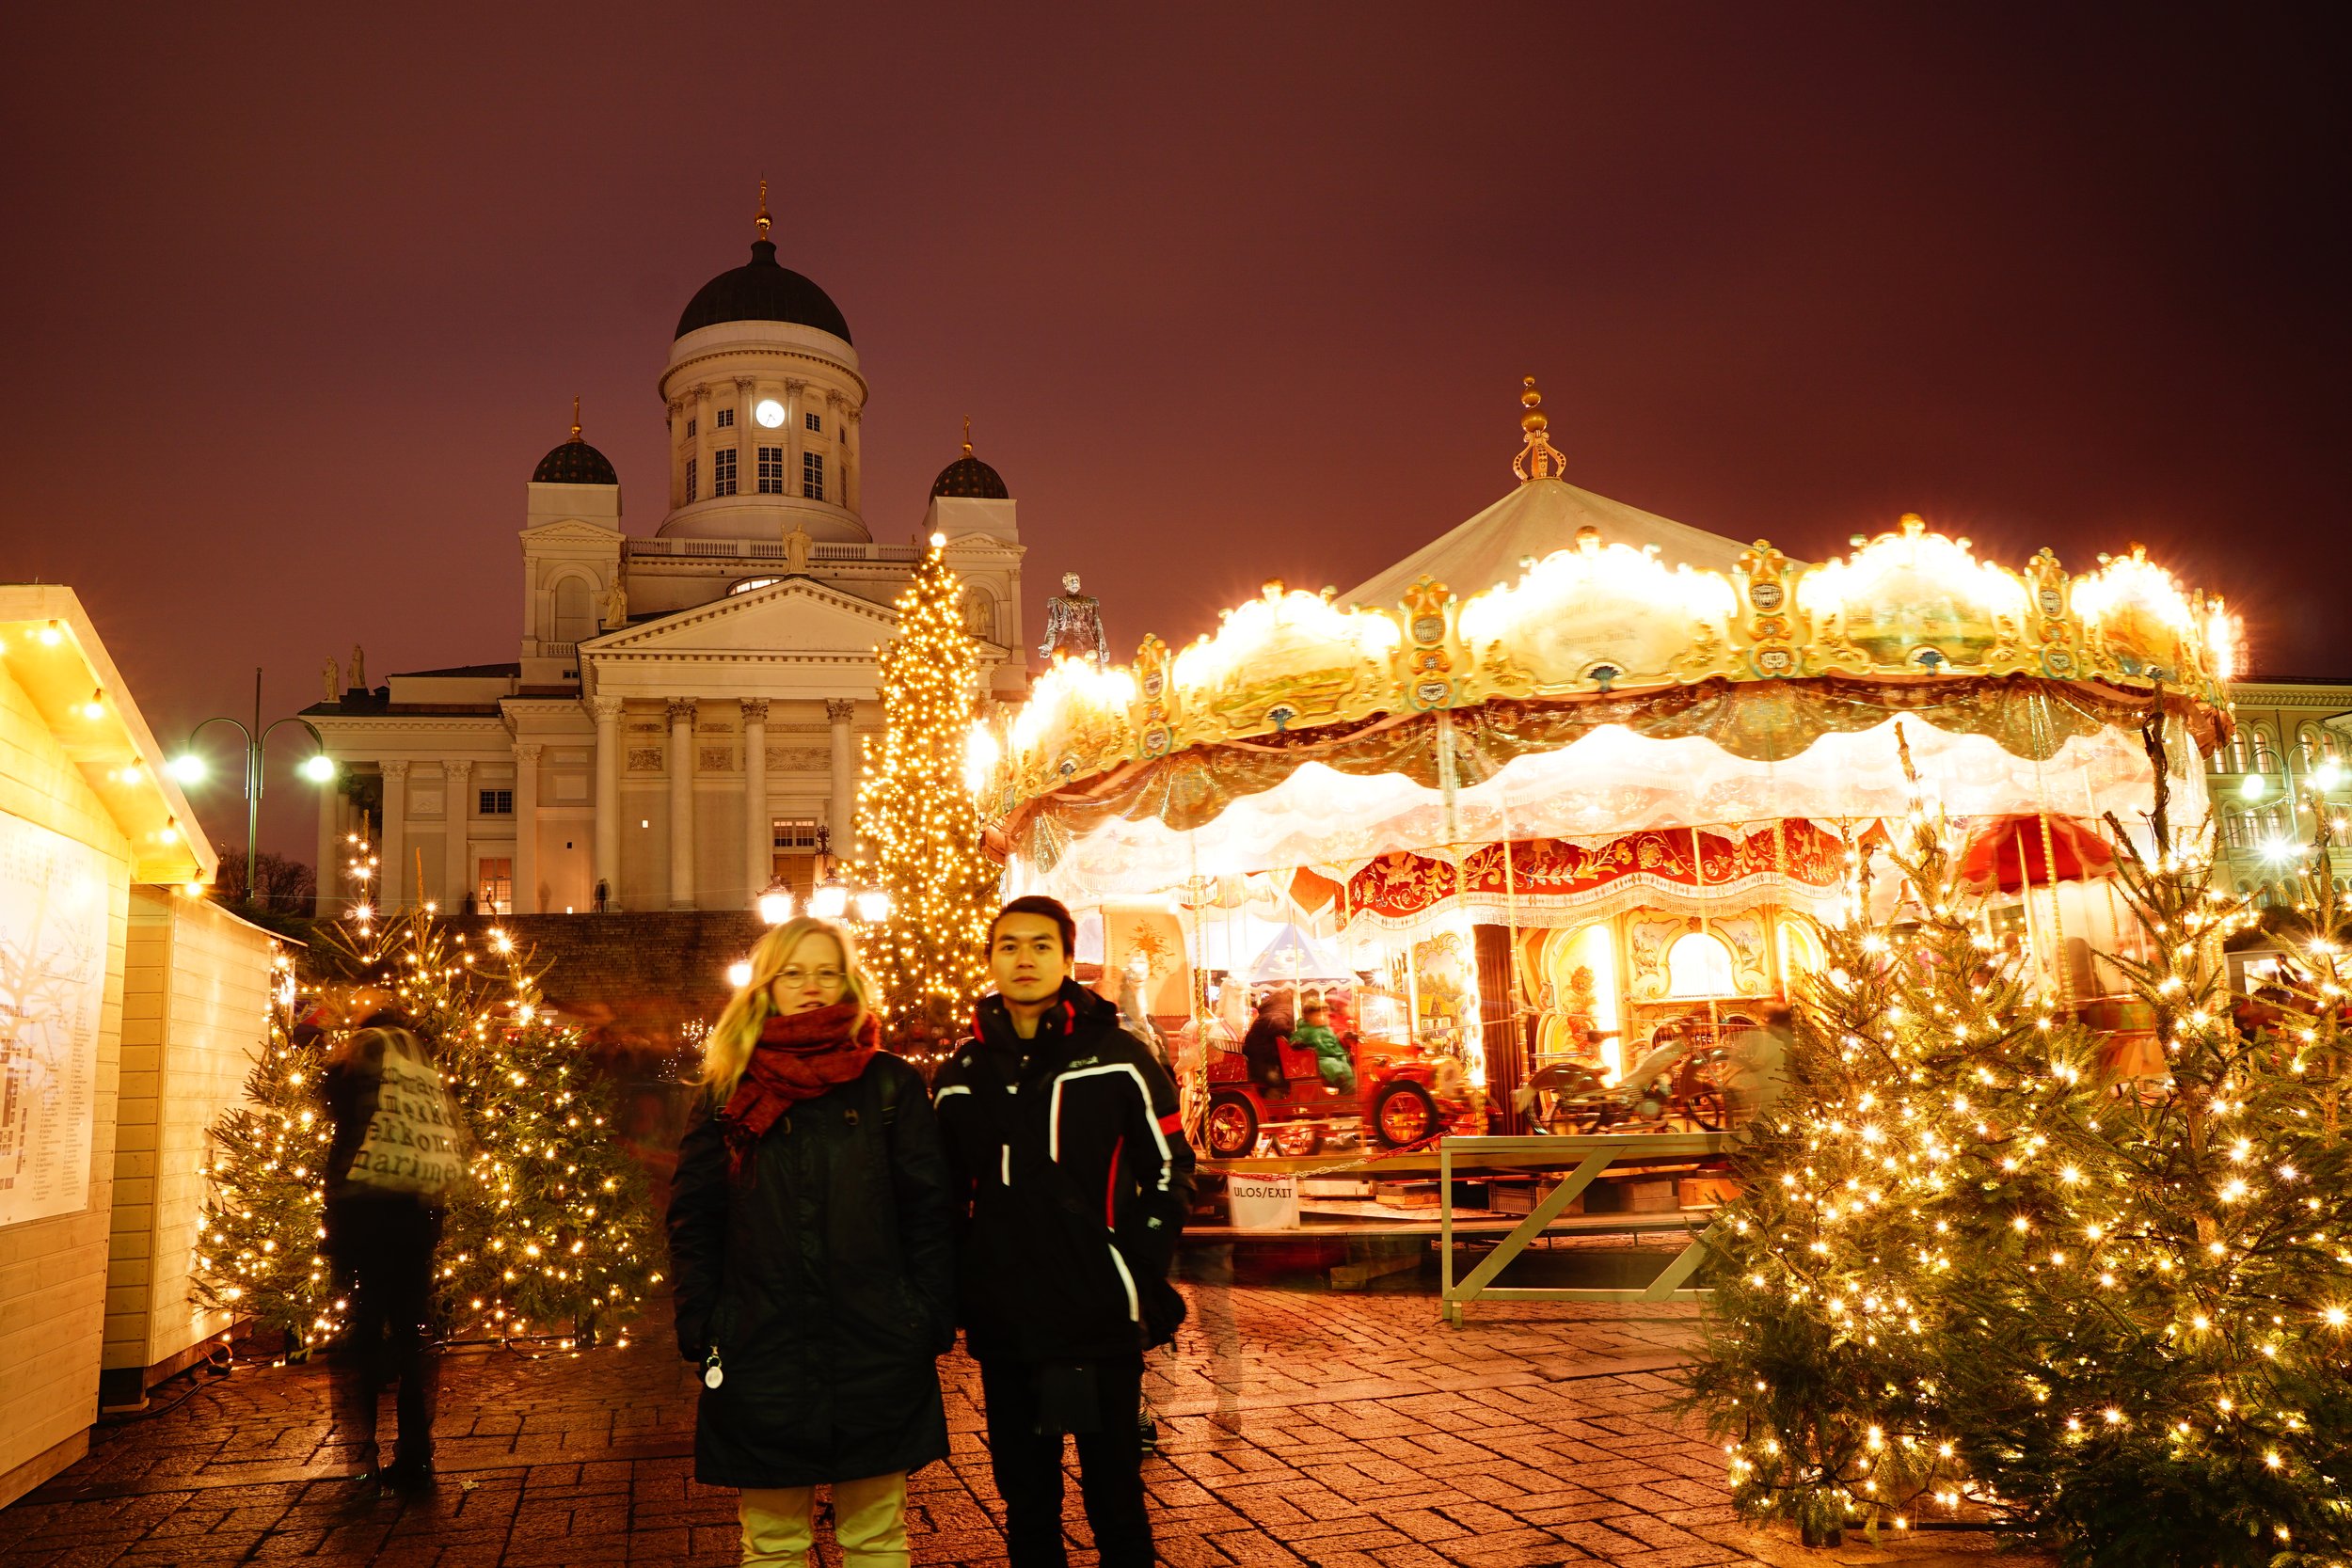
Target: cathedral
682, 725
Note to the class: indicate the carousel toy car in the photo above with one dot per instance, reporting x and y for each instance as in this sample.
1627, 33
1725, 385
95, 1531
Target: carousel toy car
1403, 1095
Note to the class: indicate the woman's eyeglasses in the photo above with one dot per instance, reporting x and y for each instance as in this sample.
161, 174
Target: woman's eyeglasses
797, 976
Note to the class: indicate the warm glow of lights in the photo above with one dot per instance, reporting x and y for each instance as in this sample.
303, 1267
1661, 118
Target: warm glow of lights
1871, 576
1068, 695
1591, 569
1275, 620
981, 754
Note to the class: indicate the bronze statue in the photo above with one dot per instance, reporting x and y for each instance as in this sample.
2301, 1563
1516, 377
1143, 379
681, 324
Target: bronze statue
1074, 626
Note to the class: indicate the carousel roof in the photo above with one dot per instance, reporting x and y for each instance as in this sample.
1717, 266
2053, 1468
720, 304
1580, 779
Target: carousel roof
1627, 675
1541, 516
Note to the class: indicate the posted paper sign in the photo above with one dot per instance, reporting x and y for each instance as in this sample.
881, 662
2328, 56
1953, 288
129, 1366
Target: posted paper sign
1263, 1202
53, 988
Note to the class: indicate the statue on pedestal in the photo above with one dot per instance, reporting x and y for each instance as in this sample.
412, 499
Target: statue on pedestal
616, 604
334, 692
1074, 626
359, 669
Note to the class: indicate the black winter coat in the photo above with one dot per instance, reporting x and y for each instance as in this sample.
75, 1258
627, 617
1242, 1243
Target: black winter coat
826, 1284
1071, 1181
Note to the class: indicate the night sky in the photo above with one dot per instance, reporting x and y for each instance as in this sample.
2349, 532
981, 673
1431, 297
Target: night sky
294, 299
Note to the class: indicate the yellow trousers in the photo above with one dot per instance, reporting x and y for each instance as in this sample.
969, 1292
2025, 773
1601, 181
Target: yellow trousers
869, 1519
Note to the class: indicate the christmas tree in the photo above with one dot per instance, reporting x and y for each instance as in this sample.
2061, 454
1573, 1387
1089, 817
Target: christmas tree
551, 1234
1968, 1276
916, 815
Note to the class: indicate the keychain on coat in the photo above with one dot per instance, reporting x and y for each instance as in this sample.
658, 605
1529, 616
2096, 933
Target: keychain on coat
713, 1374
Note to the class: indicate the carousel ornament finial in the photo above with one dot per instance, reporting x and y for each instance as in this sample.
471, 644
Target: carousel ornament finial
1539, 458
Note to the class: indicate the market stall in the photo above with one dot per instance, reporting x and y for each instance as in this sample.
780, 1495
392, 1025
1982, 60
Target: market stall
1577, 783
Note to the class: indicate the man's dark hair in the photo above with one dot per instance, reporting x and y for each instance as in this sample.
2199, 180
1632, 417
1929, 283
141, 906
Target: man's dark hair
1053, 910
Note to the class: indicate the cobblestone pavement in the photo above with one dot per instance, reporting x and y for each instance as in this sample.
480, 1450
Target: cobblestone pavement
1334, 1430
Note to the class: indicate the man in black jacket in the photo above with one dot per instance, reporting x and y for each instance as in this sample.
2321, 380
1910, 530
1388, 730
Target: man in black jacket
1071, 1176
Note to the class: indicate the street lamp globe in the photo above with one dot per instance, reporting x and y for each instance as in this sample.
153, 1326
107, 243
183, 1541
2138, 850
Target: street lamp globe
873, 908
775, 905
2252, 787
319, 768
187, 767
830, 900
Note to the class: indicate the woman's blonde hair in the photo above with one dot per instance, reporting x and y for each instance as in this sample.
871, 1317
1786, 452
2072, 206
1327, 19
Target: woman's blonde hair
729, 1049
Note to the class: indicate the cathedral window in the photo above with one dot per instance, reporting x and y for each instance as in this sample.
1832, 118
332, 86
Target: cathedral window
690, 479
722, 471
495, 803
795, 833
772, 470
494, 883
689, 428
816, 422
726, 417
813, 475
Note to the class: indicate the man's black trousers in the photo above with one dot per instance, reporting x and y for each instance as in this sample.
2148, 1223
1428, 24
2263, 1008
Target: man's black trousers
1028, 1466
382, 1250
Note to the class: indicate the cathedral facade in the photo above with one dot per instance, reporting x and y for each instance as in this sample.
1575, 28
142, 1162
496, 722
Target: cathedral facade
683, 724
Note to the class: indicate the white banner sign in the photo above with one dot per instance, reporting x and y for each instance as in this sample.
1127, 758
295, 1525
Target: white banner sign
52, 989
1263, 1202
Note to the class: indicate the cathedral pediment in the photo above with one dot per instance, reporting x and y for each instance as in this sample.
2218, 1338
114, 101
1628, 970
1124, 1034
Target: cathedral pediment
795, 616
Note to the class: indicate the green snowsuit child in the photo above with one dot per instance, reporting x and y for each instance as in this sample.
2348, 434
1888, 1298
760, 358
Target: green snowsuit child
1330, 1056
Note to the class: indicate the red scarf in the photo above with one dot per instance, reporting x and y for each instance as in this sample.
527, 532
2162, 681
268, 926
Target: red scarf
799, 1056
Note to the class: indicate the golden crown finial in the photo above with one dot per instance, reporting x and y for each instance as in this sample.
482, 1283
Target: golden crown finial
1539, 458
967, 436
575, 416
760, 219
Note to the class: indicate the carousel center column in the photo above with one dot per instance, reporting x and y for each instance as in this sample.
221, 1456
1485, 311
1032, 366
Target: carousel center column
682, 803
758, 832
842, 823
608, 842
525, 895
394, 853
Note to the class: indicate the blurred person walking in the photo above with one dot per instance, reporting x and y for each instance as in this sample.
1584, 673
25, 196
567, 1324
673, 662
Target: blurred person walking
1071, 1181
809, 1241
395, 1155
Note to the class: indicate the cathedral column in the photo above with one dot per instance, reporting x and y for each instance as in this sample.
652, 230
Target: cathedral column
682, 803
325, 906
393, 851
842, 820
758, 828
456, 875
795, 399
748, 437
852, 481
699, 411
526, 879
608, 842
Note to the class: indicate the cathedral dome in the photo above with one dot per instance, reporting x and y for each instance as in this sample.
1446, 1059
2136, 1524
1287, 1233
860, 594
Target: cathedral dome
575, 462
761, 290
967, 476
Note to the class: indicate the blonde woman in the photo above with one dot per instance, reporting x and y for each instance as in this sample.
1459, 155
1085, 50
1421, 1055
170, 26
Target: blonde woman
809, 1245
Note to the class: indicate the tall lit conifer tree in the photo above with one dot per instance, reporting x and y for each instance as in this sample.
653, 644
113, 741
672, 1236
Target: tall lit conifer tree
915, 816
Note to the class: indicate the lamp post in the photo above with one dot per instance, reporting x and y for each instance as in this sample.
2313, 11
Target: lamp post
188, 767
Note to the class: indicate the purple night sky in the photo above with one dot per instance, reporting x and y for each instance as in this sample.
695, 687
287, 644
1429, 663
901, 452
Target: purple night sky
295, 298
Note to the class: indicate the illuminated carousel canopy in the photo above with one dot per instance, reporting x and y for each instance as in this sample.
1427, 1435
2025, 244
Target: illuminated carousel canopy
1601, 690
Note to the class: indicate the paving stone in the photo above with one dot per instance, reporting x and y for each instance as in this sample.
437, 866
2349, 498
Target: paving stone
1298, 1430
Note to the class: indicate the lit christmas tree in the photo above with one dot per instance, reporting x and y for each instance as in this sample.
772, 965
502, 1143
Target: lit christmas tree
916, 815
551, 1234
1966, 1274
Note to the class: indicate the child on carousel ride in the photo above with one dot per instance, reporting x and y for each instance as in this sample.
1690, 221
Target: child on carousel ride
1314, 1033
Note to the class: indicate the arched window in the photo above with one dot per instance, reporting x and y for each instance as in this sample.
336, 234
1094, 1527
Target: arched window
575, 612
2311, 748
2263, 756
1698, 965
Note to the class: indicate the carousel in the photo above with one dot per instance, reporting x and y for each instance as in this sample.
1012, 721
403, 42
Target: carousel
1540, 822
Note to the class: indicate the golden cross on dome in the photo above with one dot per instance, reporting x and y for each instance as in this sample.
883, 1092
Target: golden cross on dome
761, 218
967, 436
575, 416
1539, 458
